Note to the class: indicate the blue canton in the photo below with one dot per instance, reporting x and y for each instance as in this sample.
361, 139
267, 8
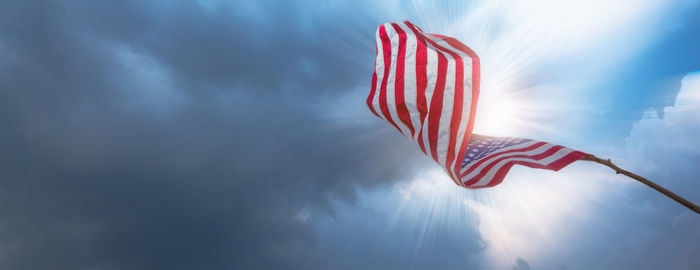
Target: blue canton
481, 148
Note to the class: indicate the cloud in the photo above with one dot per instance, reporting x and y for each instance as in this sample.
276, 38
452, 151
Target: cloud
667, 144
666, 151
211, 135
154, 135
521, 264
416, 225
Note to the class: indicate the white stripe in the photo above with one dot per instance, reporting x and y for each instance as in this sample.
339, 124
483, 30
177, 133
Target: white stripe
466, 111
545, 161
391, 81
379, 69
497, 153
432, 70
410, 83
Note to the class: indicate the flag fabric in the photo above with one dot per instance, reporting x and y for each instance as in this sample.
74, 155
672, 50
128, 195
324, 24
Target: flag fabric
427, 86
489, 159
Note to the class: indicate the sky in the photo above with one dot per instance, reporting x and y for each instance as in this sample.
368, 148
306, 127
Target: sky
218, 134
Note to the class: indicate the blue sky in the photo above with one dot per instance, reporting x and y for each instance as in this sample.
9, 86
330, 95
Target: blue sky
233, 134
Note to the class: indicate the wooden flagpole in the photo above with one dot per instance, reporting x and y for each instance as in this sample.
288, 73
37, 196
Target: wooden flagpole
651, 184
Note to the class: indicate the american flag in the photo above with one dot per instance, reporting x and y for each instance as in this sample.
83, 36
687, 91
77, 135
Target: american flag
488, 159
427, 86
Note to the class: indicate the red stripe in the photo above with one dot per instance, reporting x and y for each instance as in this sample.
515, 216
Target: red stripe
476, 75
555, 166
386, 47
370, 98
436, 105
421, 80
401, 108
486, 169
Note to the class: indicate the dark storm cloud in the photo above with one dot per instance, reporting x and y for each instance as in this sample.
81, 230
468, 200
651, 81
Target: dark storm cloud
99, 170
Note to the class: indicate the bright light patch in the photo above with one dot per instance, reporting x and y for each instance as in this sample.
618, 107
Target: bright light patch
498, 110
529, 215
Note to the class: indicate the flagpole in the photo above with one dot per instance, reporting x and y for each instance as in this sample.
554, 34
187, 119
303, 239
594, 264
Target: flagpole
651, 184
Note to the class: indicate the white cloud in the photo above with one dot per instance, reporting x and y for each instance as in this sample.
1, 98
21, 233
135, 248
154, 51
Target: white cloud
669, 145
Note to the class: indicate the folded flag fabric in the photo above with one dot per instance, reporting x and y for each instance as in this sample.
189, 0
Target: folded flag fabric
427, 86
